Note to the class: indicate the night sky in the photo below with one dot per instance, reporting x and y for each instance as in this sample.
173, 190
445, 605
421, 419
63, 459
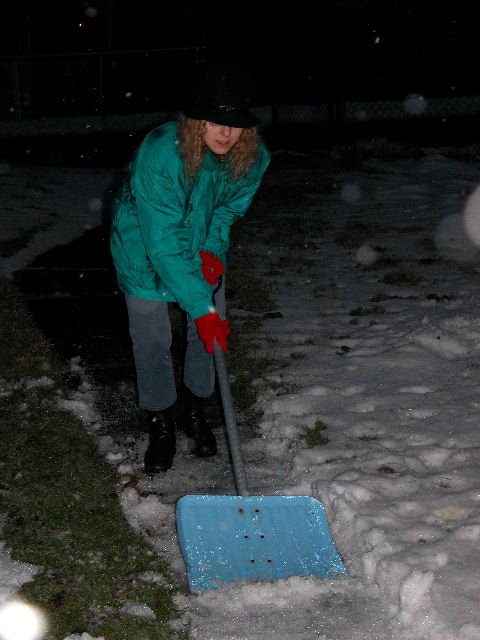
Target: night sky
347, 48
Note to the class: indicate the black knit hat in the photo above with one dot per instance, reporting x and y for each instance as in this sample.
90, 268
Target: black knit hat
223, 95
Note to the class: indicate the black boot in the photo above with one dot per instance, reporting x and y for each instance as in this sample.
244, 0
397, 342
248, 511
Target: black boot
197, 426
161, 441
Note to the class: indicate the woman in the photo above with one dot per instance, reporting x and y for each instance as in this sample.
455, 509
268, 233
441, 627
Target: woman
187, 184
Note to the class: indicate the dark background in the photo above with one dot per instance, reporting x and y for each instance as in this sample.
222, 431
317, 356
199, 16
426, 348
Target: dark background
68, 60
109, 58
299, 51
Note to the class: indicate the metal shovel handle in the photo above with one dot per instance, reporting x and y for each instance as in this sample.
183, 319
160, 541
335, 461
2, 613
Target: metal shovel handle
230, 422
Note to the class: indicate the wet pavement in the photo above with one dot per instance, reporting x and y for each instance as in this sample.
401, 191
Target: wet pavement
72, 293
73, 296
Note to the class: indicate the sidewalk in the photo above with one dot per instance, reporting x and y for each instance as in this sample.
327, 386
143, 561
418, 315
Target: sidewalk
374, 346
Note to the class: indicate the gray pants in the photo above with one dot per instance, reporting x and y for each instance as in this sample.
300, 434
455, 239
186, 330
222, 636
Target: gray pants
151, 335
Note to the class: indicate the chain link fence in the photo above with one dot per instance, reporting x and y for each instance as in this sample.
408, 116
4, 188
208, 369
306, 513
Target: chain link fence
121, 91
412, 107
95, 83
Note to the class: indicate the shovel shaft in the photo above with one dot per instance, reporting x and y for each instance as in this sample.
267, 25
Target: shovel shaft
230, 422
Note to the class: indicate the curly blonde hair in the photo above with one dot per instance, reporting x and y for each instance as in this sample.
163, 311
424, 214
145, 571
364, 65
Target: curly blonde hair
192, 148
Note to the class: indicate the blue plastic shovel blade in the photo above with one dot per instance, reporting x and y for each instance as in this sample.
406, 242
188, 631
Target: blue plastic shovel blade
226, 539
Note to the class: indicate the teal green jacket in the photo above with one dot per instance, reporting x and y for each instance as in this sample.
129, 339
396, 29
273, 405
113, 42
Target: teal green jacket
161, 222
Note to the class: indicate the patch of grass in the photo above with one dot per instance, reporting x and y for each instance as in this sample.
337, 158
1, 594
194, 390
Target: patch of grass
381, 263
61, 506
412, 228
469, 271
287, 196
403, 278
297, 355
428, 244
467, 152
245, 292
281, 388
355, 233
244, 365
433, 260
386, 468
380, 297
365, 311
293, 237
438, 298
319, 291
23, 350
380, 147
343, 349
315, 436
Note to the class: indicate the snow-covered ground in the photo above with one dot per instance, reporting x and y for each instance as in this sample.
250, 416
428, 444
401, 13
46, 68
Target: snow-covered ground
378, 337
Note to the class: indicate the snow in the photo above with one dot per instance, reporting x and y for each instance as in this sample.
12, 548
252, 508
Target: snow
48, 207
379, 343
12, 574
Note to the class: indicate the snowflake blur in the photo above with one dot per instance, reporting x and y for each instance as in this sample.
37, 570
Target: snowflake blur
20, 621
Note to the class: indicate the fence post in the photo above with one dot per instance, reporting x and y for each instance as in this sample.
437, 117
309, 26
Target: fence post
100, 83
17, 89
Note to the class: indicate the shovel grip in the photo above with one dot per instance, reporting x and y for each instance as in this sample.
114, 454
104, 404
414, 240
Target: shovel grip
230, 422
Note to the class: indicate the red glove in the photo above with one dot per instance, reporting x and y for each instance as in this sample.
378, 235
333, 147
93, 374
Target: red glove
211, 267
210, 326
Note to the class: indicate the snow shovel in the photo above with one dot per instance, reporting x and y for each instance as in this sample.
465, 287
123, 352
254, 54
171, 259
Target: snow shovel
233, 538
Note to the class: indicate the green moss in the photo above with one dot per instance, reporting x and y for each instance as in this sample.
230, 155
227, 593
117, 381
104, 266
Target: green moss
23, 350
403, 278
61, 506
244, 364
315, 436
